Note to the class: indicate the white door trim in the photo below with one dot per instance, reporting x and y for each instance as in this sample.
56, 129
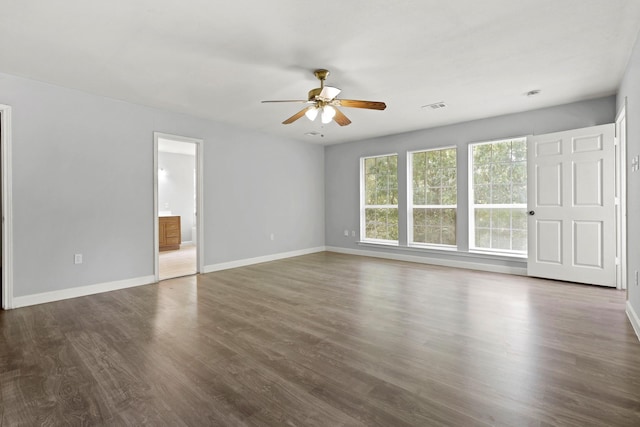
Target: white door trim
7, 208
621, 180
199, 202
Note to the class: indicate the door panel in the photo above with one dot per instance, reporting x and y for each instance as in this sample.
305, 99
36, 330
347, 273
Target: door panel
588, 243
587, 183
549, 185
572, 202
549, 248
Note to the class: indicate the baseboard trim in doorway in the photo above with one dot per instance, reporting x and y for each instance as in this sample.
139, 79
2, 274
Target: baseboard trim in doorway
80, 291
433, 261
258, 260
634, 319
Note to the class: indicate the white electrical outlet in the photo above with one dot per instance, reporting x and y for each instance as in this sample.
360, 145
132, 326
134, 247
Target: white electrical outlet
346, 233
77, 259
272, 236
353, 233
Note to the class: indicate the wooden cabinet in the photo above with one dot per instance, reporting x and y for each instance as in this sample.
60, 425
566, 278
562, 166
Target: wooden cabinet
169, 233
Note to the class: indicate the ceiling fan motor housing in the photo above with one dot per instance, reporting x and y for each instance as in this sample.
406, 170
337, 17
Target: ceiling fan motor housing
313, 93
321, 74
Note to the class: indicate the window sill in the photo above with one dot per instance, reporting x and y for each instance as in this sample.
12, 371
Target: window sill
434, 248
377, 243
498, 254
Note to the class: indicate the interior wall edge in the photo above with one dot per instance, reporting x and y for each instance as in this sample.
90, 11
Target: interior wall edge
633, 318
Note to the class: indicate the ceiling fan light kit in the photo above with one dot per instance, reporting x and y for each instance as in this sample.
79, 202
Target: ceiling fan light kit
327, 114
311, 113
325, 102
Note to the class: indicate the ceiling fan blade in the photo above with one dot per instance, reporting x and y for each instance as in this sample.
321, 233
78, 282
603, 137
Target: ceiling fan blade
291, 100
371, 105
296, 116
329, 92
340, 118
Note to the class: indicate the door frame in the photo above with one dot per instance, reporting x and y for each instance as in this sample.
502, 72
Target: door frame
199, 143
621, 190
7, 207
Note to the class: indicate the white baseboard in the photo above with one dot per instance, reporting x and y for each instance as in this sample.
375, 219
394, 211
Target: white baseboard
80, 291
633, 318
260, 259
434, 261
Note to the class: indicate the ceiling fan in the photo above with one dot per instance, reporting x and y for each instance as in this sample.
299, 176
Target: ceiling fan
323, 101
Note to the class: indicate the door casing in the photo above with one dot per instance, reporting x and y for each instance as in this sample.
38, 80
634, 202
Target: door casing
7, 207
621, 196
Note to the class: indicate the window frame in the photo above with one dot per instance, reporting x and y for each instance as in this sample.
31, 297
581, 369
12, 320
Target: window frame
411, 206
472, 206
363, 206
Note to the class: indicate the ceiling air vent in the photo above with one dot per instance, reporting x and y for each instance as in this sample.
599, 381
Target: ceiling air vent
314, 133
435, 106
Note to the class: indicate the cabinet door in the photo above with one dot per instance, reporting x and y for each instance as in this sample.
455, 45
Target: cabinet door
172, 232
161, 234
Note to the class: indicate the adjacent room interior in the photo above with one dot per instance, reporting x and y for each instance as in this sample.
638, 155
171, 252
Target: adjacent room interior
367, 213
177, 201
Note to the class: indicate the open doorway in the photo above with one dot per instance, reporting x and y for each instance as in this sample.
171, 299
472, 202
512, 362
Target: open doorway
177, 198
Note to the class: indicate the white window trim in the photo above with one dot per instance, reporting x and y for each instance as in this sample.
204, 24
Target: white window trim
363, 224
380, 242
472, 205
501, 252
410, 205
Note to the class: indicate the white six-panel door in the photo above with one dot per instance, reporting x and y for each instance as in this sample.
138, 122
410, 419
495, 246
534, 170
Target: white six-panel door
571, 199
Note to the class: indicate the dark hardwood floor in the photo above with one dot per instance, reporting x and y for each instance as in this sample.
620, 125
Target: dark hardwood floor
325, 340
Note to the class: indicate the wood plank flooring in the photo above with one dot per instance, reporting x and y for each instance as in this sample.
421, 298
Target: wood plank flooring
178, 263
325, 340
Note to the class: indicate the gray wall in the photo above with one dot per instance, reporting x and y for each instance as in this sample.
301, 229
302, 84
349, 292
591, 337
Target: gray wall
83, 179
630, 89
342, 167
83, 183
177, 188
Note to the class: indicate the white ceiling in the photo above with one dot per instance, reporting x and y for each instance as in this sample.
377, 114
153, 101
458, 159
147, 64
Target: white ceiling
219, 59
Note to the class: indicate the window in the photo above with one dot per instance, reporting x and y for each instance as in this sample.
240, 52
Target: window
498, 196
433, 197
379, 199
